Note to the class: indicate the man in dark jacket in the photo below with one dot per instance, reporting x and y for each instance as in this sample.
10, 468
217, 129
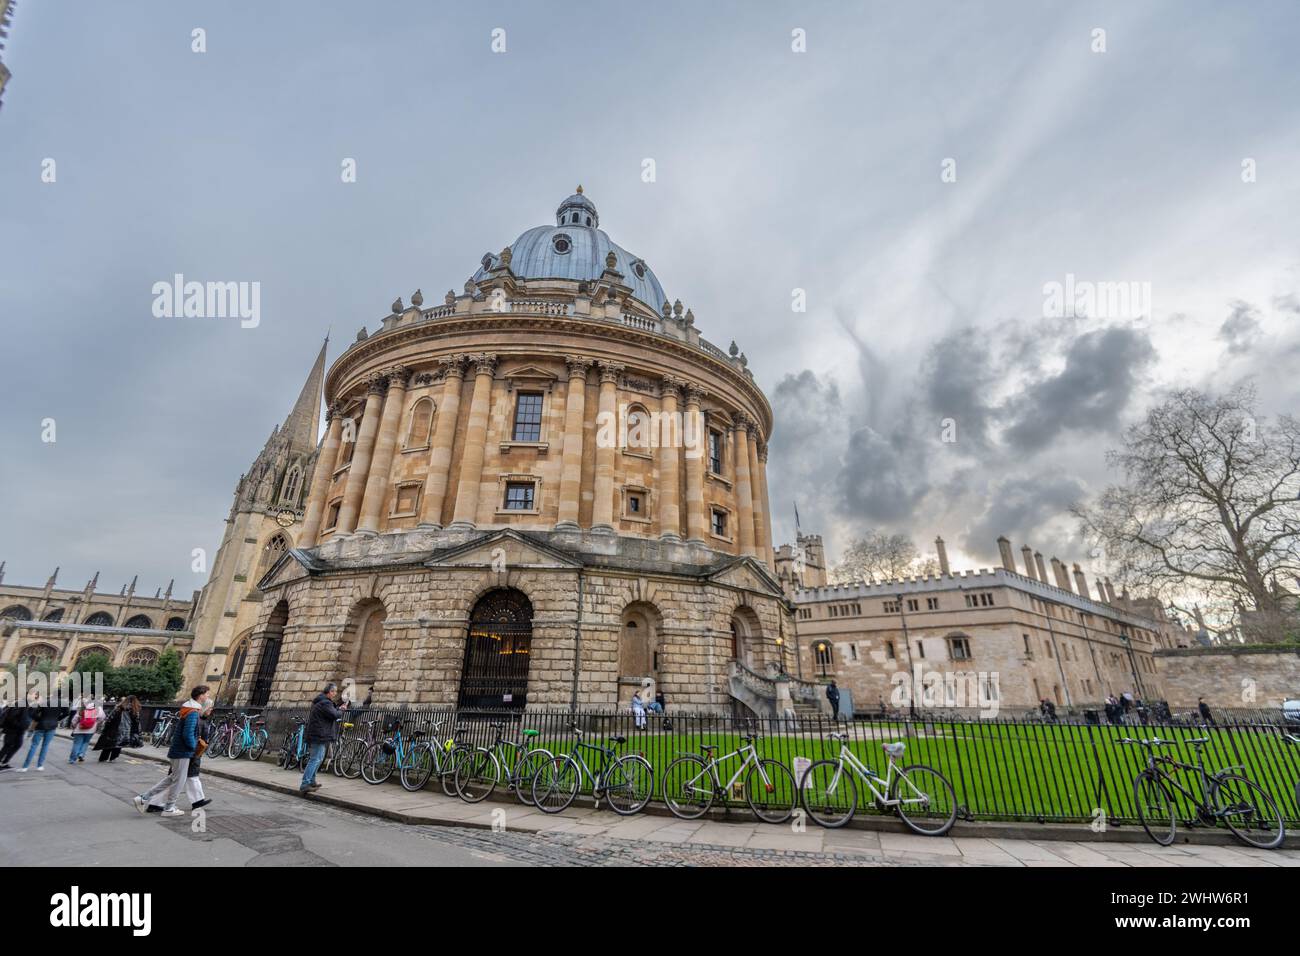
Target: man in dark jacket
322, 729
45, 718
1204, 710
833, 695
185, 743
14, 724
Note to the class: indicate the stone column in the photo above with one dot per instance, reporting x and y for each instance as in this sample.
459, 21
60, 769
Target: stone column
696, 519
444, 436
575, 410
744, 486
670, 452
602, 512
381, 462
471, 462
765, 526
321, 479
359, 470
756, 496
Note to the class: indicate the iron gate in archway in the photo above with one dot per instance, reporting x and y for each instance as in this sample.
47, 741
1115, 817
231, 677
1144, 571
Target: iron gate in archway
497, 651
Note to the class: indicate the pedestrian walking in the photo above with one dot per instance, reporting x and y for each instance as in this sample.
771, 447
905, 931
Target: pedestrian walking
45, 719
193, 780
84, 721
321, 731
14, 724
121, 729
185, 745
833, 695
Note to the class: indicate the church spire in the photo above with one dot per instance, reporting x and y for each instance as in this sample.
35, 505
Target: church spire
303, 424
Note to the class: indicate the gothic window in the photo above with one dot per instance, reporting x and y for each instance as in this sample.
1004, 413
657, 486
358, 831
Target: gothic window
292, 485
139, 620
55, 615
37, 655
417, 435
822, 650
100, 619
528, 417
16, 613
238, 658
92, 649
141, 657
272, 551
175, 623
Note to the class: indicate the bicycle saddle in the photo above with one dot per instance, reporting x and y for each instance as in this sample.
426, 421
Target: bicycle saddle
748, 738
708, 748
419, 733
347, 726
618, 740
1198, 741
894, 750
838, 736
530, 733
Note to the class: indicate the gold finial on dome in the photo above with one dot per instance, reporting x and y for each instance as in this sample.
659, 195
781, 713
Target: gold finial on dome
579, 189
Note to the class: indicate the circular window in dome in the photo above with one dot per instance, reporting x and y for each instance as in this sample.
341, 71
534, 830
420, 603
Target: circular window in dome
639, 268
561, 243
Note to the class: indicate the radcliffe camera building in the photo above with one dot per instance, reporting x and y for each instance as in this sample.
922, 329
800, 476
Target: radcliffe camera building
545, 490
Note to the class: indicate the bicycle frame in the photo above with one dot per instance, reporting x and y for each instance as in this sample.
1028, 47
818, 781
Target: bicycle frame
1157, 764
711, 769
868, 776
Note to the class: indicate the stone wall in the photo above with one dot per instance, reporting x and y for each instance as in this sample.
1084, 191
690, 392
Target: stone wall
1242, 676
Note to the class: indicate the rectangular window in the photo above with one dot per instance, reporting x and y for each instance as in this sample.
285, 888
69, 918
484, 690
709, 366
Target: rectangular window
715, 452
913, 604
528, 417
333, 518
720, 523
634, 504
960, 648
891, 607
853, 652
932, 604
920, 649
889, 651
519, 496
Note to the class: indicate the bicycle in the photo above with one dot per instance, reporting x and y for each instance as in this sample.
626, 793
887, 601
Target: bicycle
921, 796
1234, 798
248, 736
626, 782
415, 764
221, 734
347, 762
161, 734
514, 764
691, 783
293, 751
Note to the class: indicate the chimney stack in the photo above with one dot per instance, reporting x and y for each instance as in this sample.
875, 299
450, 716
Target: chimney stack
1081, 581
1061, 574
1027, 553
1004, 551
1110, 592
943, 557
1042, 568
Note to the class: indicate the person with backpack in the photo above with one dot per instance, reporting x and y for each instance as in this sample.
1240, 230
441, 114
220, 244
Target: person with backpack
45, 719
121, 729
14, 724
186, 744
84, 722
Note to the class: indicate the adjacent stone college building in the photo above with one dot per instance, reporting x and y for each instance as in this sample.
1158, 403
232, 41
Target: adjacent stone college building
546, 490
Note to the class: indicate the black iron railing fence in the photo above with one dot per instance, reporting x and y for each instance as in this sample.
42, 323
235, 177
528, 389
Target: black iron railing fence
1002, 769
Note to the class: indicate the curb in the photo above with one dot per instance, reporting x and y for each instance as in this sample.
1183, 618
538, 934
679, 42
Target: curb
988, 830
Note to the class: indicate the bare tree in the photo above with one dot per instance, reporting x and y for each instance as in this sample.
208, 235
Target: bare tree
1208, 505
875, 556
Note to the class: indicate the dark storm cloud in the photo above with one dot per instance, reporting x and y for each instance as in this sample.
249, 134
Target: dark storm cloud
1102, 371
1020, 508
956, 378
1240, 328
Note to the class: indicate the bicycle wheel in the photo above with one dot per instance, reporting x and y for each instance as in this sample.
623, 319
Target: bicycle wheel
687, 788
351, 760
770, 791
1249, 811
1155, 811
522, 780
447, 770
236, 746
556, 784
926, 801
260, 739
829, 794
220, 741
377, 765
419, 766
629, 784
476, 776
341, 751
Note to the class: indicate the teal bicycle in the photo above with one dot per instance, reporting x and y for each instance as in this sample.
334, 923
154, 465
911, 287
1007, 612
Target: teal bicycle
414, 760
248, 736
480, 771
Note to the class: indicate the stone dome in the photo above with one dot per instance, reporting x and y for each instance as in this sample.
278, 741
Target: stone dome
576, 248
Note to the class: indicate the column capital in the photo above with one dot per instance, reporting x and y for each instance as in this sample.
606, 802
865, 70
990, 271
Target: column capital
577, 365
333, 410
452, 366
609, 372
672, 385
485, 363
762, 453
694, 395
376, 383
398, 376
741, 420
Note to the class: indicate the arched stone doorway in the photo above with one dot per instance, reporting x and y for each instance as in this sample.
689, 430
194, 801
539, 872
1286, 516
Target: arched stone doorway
359, 659
272, 639
236, 660
498, 646
745, 635
638, 649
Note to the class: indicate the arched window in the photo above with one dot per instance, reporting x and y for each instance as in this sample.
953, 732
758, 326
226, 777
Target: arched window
417, 436
55, 615
497, 651
175, 623
91, 650
639, 424
139, 620
16, 613
142, 657
292, 485
100, 619
269, 659
365, 644
272, 550
38, 655
238, 657
638, 648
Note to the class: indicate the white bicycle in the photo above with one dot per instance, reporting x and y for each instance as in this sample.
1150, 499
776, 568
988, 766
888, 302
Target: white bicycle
920, 795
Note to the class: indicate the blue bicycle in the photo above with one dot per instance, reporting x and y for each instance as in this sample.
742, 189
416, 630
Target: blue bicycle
248, 736
414, 759
293, 752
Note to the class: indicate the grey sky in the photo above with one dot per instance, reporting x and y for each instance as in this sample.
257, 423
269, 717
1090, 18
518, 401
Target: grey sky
776, 171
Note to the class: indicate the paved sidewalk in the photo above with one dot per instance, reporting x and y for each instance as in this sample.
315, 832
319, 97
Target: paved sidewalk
595, 830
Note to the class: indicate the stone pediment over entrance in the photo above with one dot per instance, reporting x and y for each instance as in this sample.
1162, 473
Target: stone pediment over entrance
290, 566
748, 574
506, 550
